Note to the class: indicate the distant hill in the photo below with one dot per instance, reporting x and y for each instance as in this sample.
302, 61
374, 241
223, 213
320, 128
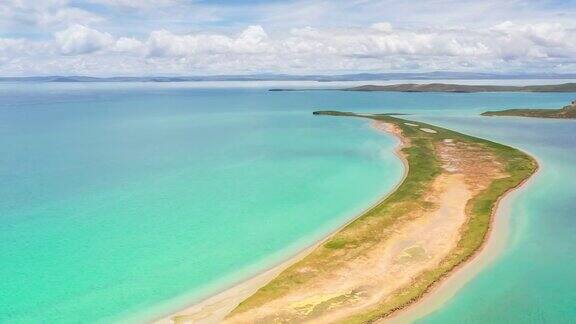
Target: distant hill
287, 77
442, 87
567, 112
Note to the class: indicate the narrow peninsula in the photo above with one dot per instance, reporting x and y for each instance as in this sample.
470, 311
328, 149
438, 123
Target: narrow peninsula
566, 112
436, 219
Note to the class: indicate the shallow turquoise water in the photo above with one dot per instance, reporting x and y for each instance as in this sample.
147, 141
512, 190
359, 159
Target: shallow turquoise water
533, 280
123, 201
118, 204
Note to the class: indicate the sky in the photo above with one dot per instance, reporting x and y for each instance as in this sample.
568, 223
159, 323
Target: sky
195, 37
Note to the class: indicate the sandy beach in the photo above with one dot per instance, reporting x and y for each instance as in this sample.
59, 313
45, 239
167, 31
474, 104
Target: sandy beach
421, 241
215, 308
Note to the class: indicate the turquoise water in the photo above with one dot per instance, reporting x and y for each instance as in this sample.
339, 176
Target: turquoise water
533, 281
121, 202
124, 201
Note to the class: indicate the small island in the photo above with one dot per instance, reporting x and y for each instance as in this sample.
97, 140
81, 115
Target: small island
566, 112
388, 257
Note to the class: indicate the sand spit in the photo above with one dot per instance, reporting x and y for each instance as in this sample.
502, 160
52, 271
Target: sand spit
412, 246
393, 253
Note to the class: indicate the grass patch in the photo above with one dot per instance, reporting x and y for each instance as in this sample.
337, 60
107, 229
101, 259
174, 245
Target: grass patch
336, 244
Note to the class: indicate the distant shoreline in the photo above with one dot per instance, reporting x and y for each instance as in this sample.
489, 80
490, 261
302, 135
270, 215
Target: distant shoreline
367, 77
450, 88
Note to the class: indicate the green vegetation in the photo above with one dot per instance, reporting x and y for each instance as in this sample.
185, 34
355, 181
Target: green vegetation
376, 224
443, 87
519, 167
566, 112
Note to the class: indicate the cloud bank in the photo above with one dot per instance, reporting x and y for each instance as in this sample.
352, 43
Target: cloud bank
62, 39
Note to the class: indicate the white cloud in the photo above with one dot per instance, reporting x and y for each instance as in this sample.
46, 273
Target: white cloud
129, 45
163, 43
18, 14
544, 34
137, 4
383, 27
10, 48
66, 16
78, 39
79, 49
400, 14
251, 40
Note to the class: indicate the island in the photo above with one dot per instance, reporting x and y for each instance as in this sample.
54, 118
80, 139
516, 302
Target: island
437, 218
443, 87
566, 112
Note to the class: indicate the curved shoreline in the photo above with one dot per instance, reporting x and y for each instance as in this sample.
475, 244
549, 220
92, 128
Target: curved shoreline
394, 254
215, 307
492, 247
212, 309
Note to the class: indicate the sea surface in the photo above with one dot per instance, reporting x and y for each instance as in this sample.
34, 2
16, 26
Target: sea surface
121, 202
